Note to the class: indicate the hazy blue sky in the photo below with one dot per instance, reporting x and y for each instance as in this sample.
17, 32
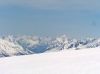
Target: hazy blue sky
75, 18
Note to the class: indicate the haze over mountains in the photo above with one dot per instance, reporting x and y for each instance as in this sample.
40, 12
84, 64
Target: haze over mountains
24, 45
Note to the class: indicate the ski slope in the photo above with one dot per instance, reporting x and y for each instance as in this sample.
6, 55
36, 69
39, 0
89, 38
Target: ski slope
85, 61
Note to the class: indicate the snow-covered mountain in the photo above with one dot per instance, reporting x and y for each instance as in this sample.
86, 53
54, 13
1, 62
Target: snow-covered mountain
23, 45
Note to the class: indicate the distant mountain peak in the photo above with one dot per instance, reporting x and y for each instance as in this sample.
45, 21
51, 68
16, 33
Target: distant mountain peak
23, 45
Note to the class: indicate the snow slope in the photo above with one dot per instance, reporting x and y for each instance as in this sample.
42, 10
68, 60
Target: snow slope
85, 61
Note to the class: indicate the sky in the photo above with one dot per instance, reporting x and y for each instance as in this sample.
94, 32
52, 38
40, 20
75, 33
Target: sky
75, 18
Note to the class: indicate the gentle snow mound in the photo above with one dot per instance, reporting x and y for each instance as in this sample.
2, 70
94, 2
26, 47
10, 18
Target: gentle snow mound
85, 61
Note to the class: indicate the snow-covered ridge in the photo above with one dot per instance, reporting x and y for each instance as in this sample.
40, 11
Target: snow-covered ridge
23, 45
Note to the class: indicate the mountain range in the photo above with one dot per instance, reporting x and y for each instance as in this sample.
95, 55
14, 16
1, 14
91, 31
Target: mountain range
25, 45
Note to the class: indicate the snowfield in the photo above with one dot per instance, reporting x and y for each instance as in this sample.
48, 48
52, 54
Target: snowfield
84, 61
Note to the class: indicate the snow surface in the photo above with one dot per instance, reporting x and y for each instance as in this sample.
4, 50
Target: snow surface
85, 61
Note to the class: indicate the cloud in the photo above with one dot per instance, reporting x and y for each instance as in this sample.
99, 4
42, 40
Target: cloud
55, 4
